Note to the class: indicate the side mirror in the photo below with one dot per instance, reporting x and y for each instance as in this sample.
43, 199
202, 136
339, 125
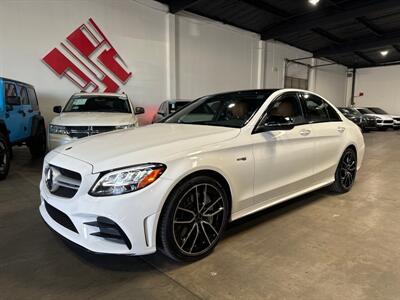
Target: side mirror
57, 109
9, 107
161, 114
276, 123
139, 110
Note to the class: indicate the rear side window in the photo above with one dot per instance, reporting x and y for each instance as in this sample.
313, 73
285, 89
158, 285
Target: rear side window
23, 93
318, 110
10, 93
33, 99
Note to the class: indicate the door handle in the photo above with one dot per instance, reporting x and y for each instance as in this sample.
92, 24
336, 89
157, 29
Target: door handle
341, 129
30, 111
305, 132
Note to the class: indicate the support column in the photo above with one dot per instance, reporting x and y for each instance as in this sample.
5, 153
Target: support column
171, 57
261, 64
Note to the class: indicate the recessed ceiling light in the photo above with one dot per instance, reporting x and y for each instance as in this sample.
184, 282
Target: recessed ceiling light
385, 52
313, 2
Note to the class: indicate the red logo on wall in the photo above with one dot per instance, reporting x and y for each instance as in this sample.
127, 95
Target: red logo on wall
89, 60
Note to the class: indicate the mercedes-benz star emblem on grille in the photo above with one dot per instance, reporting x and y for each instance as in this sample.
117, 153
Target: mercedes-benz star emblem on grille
51, 174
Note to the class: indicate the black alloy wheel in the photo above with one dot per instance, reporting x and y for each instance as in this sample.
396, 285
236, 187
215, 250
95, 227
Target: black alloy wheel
345, 172
194, 219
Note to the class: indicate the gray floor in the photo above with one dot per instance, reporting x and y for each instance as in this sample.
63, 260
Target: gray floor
319, 246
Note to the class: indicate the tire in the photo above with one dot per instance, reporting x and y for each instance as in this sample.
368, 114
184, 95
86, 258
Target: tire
345, 173
38, 145
5, 156
193, 219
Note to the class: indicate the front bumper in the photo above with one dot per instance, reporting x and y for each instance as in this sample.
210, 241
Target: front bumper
136, 214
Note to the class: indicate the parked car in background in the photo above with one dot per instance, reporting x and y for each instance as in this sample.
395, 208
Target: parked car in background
175, 185
87, 114
396, 119
383, 121
169, 107
20, 121
365, 122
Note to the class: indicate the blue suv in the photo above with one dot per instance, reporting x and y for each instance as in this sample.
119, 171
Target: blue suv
20, 121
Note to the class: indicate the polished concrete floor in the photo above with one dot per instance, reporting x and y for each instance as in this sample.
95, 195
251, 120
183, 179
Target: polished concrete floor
319, 246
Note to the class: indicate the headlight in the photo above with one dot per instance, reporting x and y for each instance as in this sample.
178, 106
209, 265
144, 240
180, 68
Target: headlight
56, 129
127, 180
124, 126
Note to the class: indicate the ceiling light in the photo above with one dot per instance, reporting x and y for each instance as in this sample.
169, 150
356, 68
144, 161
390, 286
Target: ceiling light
313, 2
385, 52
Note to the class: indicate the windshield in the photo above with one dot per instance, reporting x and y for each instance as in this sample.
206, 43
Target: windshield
98, 104
350, 111
365, 111
378, 110
229, 110
175, 106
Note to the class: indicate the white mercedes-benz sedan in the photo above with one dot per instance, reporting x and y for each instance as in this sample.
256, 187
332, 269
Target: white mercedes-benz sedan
173, 186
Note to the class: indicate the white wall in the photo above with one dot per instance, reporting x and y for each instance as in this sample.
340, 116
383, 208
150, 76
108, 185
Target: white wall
30, 29
212, 57
183, 56
331, 83
381, 87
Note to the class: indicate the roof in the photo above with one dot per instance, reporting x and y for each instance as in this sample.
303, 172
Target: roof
16, 81
101, 94
349, 32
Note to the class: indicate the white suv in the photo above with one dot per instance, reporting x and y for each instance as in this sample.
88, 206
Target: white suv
88, 114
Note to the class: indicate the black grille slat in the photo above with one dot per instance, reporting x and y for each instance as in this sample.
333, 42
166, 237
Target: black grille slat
85, 131
60, 217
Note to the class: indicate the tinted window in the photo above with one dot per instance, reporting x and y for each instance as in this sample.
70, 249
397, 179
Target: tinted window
175, 106
316, 109
284, 110
97, 104
378, 110
365, 111
333, 115
33, 99
230, 110
10, 93
23, 93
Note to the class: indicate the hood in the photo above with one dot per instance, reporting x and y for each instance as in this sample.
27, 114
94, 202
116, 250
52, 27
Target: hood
383, 117
93, 119
153, 143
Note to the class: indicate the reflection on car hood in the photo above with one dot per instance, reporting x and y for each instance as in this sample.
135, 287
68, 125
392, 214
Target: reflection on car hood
153, 143
93, 119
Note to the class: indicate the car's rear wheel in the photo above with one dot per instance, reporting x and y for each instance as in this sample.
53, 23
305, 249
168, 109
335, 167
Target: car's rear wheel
4, 157
193, 219
38, 145
346, 172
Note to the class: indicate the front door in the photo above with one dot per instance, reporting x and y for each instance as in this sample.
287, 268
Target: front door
284, 153
15, 120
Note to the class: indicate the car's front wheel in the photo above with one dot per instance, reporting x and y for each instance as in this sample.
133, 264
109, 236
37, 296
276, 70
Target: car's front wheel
194, 218
38, 145
5, 156
346, 172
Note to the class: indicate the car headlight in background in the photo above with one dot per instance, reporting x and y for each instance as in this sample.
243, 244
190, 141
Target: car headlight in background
124, 126
127, 180
56, 129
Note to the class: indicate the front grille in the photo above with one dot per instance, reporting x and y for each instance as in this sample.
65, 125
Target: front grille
110, 230
62, 182
84, 131
388, 122
60, 217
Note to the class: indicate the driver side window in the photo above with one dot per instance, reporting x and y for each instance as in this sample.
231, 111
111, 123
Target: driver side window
285, 110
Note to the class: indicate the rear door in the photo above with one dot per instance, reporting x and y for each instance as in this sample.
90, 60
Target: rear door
14, 117
284, 155
328, 129
27, 111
